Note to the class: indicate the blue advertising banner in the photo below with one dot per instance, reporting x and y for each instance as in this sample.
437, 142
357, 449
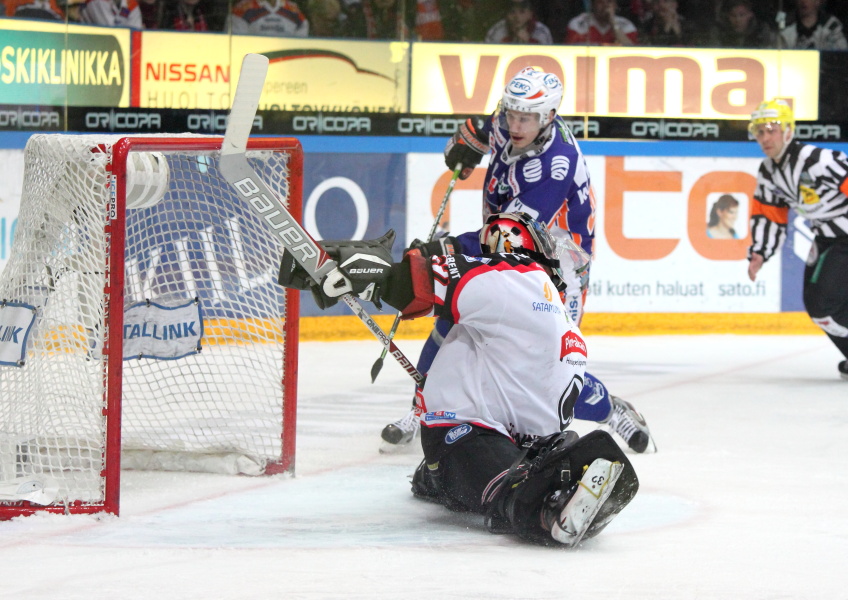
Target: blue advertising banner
353, 196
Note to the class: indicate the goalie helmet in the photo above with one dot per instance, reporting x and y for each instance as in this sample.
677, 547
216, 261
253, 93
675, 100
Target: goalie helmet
519, 233
532, 91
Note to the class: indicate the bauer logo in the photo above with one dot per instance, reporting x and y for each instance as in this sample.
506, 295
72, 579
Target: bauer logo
457, 432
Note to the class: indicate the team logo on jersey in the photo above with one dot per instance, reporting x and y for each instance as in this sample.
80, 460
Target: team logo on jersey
533, 170
559, 167
457, 432
549, 295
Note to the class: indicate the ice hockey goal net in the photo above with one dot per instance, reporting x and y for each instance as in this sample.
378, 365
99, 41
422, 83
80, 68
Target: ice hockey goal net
140, 319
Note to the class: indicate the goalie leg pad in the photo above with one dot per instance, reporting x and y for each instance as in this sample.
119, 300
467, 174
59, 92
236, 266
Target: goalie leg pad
569, 524
550, 474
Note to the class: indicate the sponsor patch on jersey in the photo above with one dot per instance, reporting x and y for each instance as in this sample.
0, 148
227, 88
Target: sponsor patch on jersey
457, 432
571, 342
546, 307
440, 414
809, 195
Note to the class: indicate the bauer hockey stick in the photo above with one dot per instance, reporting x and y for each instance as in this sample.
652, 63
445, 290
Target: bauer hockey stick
237, 171
378, 364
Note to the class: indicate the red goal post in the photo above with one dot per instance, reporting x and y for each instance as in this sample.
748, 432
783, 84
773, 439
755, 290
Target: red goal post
140, 320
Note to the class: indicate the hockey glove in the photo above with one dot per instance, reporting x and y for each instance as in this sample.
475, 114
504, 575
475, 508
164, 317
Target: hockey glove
467, 146
365, 264
438, 247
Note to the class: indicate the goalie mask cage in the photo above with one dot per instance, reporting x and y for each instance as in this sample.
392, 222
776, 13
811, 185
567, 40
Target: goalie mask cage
141, 321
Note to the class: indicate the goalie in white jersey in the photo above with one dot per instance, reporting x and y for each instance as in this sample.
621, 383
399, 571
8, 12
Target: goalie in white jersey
501, 392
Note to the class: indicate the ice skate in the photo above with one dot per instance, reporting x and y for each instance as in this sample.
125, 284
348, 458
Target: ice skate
401, 433
568, 524
628, 424
843, 370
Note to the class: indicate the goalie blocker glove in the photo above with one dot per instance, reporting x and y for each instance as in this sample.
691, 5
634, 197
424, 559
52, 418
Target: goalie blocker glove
365, 264
467, 147
440, 247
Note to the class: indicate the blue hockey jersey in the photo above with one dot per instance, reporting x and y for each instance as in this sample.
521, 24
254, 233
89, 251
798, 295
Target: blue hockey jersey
551, 184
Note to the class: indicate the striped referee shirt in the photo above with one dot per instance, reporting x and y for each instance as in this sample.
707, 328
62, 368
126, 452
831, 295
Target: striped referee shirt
814, 182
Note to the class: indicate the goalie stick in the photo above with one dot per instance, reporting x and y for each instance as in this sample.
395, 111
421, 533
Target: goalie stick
378, 364
237, 171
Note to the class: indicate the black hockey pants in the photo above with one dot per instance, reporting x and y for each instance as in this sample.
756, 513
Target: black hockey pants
826, 289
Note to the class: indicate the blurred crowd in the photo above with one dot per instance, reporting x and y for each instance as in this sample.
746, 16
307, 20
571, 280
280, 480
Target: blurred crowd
694, 23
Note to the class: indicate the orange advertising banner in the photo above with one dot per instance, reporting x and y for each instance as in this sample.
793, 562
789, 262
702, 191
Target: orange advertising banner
625, 82
200, 71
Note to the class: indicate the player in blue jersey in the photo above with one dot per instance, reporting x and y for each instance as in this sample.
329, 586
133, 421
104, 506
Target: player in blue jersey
536, 168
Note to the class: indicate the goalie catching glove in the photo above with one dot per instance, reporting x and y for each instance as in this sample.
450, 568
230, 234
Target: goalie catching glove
365, 265
467, 147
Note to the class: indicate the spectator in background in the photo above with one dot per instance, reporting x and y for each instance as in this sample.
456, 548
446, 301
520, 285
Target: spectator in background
34, 9
380, 19
638, 12
120, 13
151, 13
556, 14
666, 26
519, 27
71, 8
279, 18
813, 28
326, 18
184, 15
740, 28
601, 26
428, 21
469, 20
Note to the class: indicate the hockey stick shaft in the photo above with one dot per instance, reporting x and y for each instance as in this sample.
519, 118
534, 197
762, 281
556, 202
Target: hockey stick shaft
378, 364
265, 204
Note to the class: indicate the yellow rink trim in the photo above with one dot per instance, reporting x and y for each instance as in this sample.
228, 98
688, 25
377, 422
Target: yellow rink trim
340, 328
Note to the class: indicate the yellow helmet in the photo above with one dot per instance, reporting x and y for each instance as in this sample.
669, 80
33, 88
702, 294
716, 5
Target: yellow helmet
773, 111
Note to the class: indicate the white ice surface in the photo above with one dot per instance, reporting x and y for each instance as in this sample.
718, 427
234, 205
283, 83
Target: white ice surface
746, 498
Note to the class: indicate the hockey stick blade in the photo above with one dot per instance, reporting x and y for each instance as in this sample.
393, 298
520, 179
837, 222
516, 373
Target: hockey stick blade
378, 364
236, 170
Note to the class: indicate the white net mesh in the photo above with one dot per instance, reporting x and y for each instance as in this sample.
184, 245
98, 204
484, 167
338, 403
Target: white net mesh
217, 409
